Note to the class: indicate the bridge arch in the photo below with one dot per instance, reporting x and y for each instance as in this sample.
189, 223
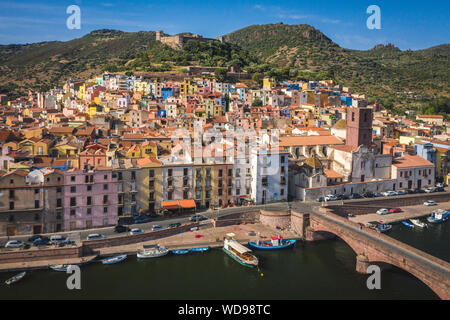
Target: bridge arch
373, 256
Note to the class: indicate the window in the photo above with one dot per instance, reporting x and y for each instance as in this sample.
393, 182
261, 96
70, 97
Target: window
11, 194
72, 212
282, 192
72, 178
230, 172
105, 209
152, 173
185, 195
105, 187
11, 206
11, 181
58, 203
170, 172
152, 196
73, 189
89, 188
59, 190
89, 211
89, 201
133, 175
36, 191
170, 195
36, 204
105, 199
185, 172
220, 192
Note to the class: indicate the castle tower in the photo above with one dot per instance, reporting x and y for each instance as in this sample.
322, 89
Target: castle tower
158, 35
359, 126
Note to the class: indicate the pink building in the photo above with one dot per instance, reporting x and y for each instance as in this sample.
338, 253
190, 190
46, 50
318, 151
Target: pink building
90, 199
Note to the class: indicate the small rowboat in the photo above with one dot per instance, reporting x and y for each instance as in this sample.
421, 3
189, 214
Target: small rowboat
153, 251
113, 260
60, 267
16, 278
408, 224
204, 249
418, 223
178, 252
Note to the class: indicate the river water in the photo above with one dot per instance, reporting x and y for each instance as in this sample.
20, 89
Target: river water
323, 270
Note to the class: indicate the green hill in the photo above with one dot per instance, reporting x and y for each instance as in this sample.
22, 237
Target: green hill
284, 51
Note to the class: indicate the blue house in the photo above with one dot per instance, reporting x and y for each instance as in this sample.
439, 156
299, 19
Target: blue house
426, 151
346, 101
166, 92
162, 113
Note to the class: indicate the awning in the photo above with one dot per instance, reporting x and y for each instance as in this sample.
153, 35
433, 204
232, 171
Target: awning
170, 205
187, 204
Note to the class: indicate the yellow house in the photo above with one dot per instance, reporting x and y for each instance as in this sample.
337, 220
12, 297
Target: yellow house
82, 92
150, 190
269, 83
65, 149
135, 152
149, 148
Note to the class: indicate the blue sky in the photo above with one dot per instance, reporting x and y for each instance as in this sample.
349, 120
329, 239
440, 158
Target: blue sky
408, 24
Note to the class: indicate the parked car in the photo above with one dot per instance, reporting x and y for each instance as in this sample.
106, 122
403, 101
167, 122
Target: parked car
389, 193
395, 210
197, 218
383, 211
58, 239
33, 238
41, 242
121, 229
175, 225
368, 194
331, 197
95, 236
156, 227
440, 189
14, 244
154, 215
136, 231
409, 191
141, 219
320, 199
430, 190
355, 196
378, 194
419, 191
401, 192
429, 203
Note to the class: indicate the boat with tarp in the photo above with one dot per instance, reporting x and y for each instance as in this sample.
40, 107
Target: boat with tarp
239, 252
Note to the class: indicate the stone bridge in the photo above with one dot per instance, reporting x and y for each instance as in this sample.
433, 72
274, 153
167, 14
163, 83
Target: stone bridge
372, 247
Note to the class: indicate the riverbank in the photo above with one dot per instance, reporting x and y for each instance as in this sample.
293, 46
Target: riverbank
206, 236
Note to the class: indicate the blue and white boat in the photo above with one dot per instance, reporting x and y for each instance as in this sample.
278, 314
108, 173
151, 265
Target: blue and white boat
383, 227
438, 216
179, 252
275, 243
203, 249
238, 252
60, 267
114, 260
408, 224
16, 278
152, 251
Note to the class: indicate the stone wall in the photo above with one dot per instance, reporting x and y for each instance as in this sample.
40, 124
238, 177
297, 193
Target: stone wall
275, 219
89, 247
25, 255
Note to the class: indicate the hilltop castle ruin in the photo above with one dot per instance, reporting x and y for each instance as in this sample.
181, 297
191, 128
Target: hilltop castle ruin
178, 41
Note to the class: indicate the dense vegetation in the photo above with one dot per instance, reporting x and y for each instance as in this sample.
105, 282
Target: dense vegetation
385, 73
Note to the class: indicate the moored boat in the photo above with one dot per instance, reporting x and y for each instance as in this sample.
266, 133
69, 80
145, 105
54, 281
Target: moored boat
153, 251
114, 260
438, 216
180, 252
418, 223
238, 252
275, 243
203, 249
60, 267
407, 224
16, 278
382, 227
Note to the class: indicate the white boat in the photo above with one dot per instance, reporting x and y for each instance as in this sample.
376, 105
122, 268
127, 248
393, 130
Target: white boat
418, 223
438, 216
16, 278
154, 251
238, 252
60, 267
114, 259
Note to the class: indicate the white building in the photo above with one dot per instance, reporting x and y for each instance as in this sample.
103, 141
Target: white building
413, 172
269, 170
